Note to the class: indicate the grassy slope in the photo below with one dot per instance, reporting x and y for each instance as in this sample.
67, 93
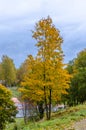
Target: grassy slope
15, 92
59, 121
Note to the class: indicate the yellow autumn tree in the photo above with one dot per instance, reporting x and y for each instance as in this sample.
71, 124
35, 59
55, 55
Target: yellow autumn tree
56, 78
48, 79
31, 90
31, 82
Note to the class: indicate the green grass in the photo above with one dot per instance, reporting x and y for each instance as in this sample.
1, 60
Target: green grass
59, 121
15, 92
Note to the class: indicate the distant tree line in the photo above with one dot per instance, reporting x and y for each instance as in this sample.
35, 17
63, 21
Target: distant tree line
7, 71
77, 90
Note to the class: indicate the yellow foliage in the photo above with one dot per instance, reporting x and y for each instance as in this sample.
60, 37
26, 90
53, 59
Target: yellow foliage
47, 69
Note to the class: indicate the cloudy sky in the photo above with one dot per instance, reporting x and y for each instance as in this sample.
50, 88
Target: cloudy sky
18, 17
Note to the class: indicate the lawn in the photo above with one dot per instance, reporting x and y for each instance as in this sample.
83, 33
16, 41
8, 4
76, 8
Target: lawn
60, 120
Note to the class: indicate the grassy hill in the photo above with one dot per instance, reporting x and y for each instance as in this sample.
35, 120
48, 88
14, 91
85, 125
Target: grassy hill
60, 120
15, 92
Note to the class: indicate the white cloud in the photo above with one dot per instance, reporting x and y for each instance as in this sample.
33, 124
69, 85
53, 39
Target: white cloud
19, 13
13, 8
62, 11
66, 10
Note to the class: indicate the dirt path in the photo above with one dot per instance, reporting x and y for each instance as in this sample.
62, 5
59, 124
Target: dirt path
81, 125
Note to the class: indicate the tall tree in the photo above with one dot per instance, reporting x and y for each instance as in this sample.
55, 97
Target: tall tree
8, 71
7, 108
50, 79
55, 77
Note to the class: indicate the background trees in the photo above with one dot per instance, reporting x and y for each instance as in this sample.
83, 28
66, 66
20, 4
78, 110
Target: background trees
8, 71
7, 109
21, 71
77, 90
80, 67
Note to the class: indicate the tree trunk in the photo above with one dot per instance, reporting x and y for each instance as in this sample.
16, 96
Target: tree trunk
41, 109
25, 112
49, 104
46, 107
